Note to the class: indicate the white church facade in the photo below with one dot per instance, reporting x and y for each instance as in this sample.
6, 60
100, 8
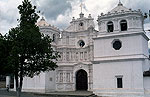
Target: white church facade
111, 62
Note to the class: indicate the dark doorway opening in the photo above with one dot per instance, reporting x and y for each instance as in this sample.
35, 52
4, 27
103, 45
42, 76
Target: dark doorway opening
81, 80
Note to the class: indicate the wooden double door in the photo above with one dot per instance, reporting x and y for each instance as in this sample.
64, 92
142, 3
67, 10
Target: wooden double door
81, 80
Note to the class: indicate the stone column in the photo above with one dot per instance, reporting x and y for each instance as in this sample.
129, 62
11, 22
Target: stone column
8, 81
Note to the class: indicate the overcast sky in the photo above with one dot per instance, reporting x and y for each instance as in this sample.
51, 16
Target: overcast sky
60, 12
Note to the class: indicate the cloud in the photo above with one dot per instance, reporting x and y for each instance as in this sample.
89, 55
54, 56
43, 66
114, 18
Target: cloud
139, 4
8, 14
60, 12
62, 21
53, 8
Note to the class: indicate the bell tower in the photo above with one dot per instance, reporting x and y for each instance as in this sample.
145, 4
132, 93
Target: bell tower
120, 53
120, 19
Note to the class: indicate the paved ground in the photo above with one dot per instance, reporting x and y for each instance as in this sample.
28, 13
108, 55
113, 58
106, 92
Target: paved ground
4, 93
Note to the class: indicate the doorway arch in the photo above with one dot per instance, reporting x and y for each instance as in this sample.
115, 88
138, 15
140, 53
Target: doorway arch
81, 80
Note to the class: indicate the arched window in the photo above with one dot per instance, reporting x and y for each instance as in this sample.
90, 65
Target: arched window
67, 40
110, 26
123, 25
54, 38
81, 26
81, 23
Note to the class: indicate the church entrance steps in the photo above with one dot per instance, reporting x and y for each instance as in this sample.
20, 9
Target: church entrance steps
68, 94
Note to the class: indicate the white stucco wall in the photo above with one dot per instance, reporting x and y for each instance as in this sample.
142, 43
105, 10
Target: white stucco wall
35, 84
50, 81
133, 46
147, 83
147, 86
127, 62
105, 81
146, 65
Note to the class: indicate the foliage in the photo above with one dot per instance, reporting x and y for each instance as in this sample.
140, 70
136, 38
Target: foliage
24, 51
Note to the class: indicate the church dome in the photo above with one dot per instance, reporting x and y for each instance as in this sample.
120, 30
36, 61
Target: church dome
42, 22
119, 8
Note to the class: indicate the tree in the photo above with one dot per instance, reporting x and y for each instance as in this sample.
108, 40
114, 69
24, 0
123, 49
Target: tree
30, 52
4, 52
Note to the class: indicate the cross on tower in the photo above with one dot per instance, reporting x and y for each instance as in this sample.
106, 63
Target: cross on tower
81, 5
42, 15
120, 4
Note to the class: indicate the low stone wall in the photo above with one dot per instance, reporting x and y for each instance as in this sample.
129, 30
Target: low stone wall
2, 84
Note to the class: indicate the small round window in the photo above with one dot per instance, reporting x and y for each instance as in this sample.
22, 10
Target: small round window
81, 43
117, 44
